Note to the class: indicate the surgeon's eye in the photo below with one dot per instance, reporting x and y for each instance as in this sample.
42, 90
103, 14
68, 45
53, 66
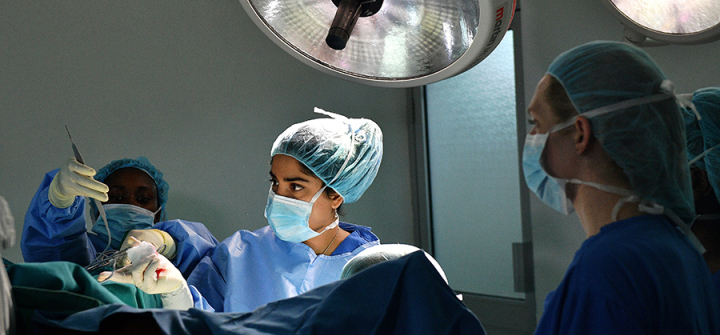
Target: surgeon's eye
115, 198
273, 182
532, 122
296, 187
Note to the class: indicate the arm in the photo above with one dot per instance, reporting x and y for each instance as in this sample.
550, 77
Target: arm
55, 234
209, 284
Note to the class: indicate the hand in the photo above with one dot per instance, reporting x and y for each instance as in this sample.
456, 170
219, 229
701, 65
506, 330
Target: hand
155, 275
156, 237
75, 179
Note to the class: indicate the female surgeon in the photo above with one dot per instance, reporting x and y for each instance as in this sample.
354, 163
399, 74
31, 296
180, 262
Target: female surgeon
608, 142
134, 195
316, 166
703, 143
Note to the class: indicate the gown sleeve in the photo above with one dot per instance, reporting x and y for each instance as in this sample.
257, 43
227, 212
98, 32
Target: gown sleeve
209, 282
55, 234
193, 241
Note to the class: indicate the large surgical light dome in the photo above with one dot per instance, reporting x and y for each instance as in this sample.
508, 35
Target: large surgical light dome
668, 21
403, 43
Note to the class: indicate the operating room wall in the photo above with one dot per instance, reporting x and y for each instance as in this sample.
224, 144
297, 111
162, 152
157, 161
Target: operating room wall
194, 86
550, 27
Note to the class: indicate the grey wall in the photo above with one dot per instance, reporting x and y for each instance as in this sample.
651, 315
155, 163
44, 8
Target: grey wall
550, 27
194, 86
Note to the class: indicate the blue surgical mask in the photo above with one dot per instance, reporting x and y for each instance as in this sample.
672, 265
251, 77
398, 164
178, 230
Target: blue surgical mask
549, 189
122, 218
290, 218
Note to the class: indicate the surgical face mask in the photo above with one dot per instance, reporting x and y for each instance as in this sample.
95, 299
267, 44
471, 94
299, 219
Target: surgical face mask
122, 218
290, 218
549, 189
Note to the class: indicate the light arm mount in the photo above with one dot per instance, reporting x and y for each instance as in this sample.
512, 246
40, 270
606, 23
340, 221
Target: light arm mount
345, 18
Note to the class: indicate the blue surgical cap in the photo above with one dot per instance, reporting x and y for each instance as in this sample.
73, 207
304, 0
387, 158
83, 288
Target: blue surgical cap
143, 164
647, 141
704, 134
344, 153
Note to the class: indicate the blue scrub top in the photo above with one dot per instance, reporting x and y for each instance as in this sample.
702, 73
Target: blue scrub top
637, 276
250, 269
60, 234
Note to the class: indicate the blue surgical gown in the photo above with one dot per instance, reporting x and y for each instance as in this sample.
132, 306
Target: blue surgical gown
250, 269
60, 234
398, 297
636, 276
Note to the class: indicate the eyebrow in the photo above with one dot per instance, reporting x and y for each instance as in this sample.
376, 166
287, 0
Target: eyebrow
291, 179
121, 187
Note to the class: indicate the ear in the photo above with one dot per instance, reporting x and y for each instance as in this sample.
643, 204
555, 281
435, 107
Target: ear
583, 134
336, 199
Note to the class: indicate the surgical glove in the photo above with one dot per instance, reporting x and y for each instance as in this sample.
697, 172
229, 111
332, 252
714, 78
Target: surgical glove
75, 179
155, 275
156, 237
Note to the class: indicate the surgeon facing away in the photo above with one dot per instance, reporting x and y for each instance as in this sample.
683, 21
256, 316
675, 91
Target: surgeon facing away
134, 195
703, 143
316, 166
608, 142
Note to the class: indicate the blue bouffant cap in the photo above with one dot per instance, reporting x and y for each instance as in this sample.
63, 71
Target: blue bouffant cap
143, 164
703, 136
647, 141
344, 153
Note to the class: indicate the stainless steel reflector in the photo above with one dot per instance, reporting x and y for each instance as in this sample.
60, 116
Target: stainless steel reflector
406, 43
668, 21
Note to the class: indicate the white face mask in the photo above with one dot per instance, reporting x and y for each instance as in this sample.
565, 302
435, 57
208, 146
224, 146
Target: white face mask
290, 218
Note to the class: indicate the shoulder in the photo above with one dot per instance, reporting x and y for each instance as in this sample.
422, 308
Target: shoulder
361, 231
181, 229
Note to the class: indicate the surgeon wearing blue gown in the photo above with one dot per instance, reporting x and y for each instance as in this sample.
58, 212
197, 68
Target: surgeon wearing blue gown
134, 195
608, 142
703, 143
316, 166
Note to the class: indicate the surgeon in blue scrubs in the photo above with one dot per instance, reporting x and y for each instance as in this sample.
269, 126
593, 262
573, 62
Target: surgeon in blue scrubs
703, 143
608, 142
134, 195
316, 166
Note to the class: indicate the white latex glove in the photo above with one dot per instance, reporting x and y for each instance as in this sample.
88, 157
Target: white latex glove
75, 179
155, 274
156, 237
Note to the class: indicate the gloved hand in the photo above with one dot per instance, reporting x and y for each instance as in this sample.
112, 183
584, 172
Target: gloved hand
75, 179
155, 236
155, 275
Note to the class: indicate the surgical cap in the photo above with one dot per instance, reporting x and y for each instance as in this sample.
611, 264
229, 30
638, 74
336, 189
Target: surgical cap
141, 163
704, 134
344, 153
647, 141
380, 253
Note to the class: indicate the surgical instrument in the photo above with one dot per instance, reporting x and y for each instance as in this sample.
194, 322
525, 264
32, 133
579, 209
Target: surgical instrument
97, 202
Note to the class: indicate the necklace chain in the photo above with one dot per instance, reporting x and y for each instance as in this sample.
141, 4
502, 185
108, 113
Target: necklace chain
331, 242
